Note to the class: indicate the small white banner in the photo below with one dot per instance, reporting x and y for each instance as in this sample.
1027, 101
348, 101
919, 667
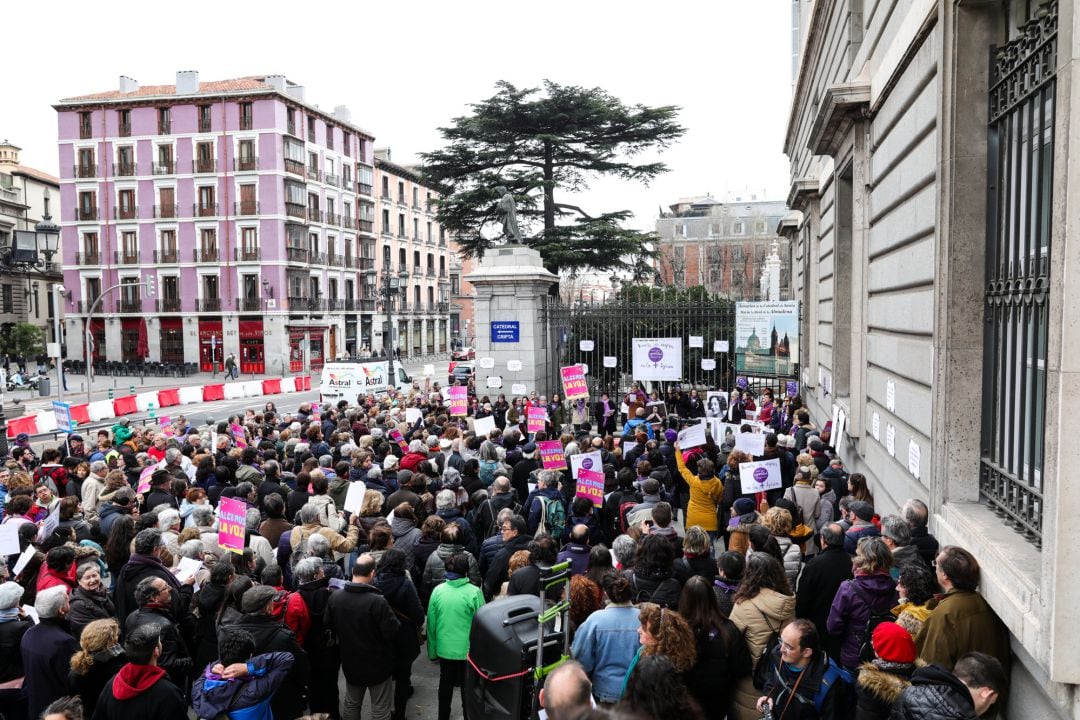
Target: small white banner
586, 345
692, 436
760, 476
610, 361
752, 444
697, 341
708, 364
518, 389
486, 362
513, 365
494, 381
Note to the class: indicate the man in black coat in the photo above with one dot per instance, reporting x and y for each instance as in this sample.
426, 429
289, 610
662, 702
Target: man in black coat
515, 537
975, 684
154, 597
272, 636
821, 579
367, 626
519, 480
146, 562
141, 690
160, 491
46, 651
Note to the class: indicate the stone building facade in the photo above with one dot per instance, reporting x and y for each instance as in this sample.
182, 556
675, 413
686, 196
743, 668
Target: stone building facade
930, 147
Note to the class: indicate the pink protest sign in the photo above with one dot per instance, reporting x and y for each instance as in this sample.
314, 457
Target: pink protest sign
397, 437
537, 418
573, 382
458, 397
144, 479
232, 514
590, 484
551, 454
238, 435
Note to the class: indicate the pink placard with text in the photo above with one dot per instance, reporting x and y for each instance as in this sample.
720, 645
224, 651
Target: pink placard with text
590, 484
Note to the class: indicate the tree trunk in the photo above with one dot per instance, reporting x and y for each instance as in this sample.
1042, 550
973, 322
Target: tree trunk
549, 188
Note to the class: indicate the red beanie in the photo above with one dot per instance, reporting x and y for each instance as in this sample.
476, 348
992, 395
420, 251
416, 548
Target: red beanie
893, 643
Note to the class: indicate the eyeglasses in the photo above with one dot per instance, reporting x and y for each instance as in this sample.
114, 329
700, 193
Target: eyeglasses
787, 646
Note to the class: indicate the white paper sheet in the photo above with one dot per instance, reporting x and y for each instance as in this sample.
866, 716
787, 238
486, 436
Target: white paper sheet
354, 498
483, 426
9, 538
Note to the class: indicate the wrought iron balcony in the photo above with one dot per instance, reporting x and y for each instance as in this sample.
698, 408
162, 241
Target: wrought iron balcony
206, 255
332, 218
367, 305
335, 305
245, 164
203, 165
88, 258
126, 213
365, 226
296, 210
164, 127
86, 171
166, 257
246, 254
246, 207
130, 305
335, 260
296, 254
165, 211
314, 215
317, 258
204, 210
294, 166
123, 169
365, 263
126, 257
125, 129
249, 304
169, 305
204, 124
86, 130
208, 304
313, 174
86, 213
364, 189
332, 179
167, 167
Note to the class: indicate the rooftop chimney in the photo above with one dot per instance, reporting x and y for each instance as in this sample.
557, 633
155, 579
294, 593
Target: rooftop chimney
276, 81
341, 112
187, 82
128, 85
296, 92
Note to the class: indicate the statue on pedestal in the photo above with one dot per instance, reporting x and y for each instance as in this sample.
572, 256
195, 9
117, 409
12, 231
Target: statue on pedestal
507, 213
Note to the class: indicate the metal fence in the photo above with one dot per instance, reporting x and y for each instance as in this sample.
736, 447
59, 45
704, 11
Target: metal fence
611, 326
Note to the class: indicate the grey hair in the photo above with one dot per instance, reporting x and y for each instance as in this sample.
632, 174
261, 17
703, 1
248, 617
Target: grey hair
50, 601
145, 590
488, 451
504, 515
309, 513
318, 546
167, 518
192, 549
445, 500
98, 466
501, 486
271, 467
308, 569
549, 478
623, 549
203, 515
253, 519
172, 455
326, 461
915, 512
123, 496
896, 529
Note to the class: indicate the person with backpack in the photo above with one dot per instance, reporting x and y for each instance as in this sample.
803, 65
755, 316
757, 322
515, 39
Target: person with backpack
545, 507
502, 497
803, 683
862, 603
489, 463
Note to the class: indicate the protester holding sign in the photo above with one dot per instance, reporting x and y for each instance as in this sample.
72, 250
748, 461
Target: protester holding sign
706, 492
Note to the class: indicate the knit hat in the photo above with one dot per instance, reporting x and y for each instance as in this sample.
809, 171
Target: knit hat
256, 598
670, 435
893, 643
743, 506
10, 595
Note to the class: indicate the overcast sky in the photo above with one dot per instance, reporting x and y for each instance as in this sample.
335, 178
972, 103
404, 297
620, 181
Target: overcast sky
406, 68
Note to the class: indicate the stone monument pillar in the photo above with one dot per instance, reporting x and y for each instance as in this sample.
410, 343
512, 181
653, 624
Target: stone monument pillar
512, 287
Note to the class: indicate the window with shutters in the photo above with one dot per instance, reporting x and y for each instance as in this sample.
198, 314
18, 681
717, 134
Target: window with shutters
247, 120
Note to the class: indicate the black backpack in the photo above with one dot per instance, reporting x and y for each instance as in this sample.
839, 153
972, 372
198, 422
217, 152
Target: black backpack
764, 660
875, 618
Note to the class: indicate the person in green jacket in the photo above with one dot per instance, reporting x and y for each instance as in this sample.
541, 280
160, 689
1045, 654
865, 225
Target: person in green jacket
449, 620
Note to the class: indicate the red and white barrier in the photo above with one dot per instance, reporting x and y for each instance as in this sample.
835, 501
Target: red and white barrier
85, 413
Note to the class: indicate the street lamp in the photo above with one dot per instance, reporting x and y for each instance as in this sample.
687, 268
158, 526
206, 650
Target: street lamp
392, 283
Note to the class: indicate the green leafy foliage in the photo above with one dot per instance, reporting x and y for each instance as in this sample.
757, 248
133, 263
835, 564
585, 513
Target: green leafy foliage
24, 339
542, 147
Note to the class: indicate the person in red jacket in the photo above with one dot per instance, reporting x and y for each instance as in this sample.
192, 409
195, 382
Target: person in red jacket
59, 569
141, 690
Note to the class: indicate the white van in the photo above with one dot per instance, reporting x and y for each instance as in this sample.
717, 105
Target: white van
351, 381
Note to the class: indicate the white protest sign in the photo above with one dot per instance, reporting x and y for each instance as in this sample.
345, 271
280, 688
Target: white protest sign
483, 426
486, 362
31, 613
494, 381
627, 447
412, 415
708, 364
354, 498
890, 439
724, 433
692, 436
752, 444
875, 427
720, 346
760, 476
697, 341
23, 560
586, 345
657, 358
890, 396
914, 458
610, 361
513, 365
429, 370
9, 538
589, 461
518, 389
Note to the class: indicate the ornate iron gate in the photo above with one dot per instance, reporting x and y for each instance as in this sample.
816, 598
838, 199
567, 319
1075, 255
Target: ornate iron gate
1020, 182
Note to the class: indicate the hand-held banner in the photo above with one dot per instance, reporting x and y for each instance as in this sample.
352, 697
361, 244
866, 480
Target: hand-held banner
232, 517
551, 454
458, 395
574, 385
692, 436
397, 437
590, 485
536, 419
586, 461
756, 477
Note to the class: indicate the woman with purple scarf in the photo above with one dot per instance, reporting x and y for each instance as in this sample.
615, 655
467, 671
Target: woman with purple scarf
604, 412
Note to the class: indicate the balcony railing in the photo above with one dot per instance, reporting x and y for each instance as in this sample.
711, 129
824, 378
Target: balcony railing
123, 169
297, 302
336, 304
431, 272
165, 211
296, 254
204, 210
332, 218
346, 221
166, 257
125, 129
208, 304
167, 167
442, 307
86, 131
351, 304
246, 207
335, 260
203, 165
364, 188
169, 305
332, 179
314, 215
347, 185
204, 124
126, 213
130, 305
126, 257
365, 263
295, 210
88, 258
290, 127
83, 214
294, 166
249, 304
311, 133
365, 226
164, 127
246, 122
246, 254
313, 174
205, 255
367, 305
86, 171
245, 164
317, 258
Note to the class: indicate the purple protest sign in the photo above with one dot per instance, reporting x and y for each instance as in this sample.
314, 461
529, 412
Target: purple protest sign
741, 383
232, 516
792, 388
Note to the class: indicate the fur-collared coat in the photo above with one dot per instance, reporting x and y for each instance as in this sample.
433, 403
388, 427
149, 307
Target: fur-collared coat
880, 685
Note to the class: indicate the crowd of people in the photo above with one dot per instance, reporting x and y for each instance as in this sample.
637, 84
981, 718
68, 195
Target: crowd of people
371, 533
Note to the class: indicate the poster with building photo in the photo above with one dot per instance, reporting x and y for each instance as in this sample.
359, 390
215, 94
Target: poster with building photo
767, 337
